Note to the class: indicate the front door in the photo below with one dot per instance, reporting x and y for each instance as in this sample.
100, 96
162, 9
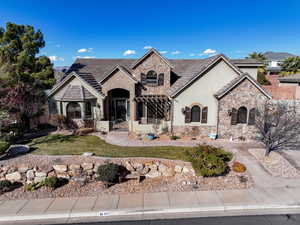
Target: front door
121, 110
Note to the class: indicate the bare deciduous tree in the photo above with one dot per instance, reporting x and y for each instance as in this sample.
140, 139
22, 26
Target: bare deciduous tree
278, 125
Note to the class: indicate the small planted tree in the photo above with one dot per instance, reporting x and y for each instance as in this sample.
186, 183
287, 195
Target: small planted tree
278, 125
108, 173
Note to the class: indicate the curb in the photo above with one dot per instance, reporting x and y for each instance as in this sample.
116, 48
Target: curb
212, 210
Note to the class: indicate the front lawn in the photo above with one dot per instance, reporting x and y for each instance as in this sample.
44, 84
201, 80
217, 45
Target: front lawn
76, 145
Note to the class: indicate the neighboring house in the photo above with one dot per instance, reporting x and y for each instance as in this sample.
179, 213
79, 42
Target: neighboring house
150, 94
292, 81
274, 61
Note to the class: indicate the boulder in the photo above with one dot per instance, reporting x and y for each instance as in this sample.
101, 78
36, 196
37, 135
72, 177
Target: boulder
88, 154
169, 172
39, 179
23, 168
162, 168
145, 170
178, 169
87, 166
63, 175
185, 170
128, 166
138, 166
153, 174
96, 166
74, 167
30, 174
60, 168
80, 180
15, 176
40, 174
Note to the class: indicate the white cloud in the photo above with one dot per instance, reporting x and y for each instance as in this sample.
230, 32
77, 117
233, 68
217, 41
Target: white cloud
147, 47
175, 52
209, 51
54, 58
82, 50
83, 57
192, 54
129, 52
163, 52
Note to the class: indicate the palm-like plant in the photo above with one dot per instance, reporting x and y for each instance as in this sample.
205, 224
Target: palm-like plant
291, 64
258, 56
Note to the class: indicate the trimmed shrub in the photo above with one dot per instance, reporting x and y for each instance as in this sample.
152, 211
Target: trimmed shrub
209, 161
238, 167
5, 186
3, 147
108, 173
34, 186
60, 121
174, 137
51, 182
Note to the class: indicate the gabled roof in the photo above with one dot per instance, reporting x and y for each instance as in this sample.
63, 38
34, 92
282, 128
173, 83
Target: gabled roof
148, 53
121, 68
294, 78
197, 71
88, 79
277, 56
74, 93
228, 87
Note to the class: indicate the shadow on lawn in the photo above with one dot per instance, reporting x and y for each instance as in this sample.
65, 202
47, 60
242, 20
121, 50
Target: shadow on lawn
54, 139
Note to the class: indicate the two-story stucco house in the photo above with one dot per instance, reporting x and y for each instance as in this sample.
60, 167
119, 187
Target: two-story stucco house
211, 96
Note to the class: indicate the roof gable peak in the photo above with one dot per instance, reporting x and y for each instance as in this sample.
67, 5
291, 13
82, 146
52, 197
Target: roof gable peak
148, 53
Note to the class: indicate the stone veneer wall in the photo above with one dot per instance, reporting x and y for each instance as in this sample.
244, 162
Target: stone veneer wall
156, 63
188, 130
245, 94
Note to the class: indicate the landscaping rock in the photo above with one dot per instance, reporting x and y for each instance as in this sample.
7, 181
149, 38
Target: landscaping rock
30, 175
23, 168
169, 172
88, 154
15, 176
178, 169
74, 167
162, 168
80, 180
63, 175
40, 174
185, 170
128, 166
87, 166
96, 166
153, 174
39, 179
60, 168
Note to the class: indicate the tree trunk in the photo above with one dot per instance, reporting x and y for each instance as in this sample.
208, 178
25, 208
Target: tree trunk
268, 151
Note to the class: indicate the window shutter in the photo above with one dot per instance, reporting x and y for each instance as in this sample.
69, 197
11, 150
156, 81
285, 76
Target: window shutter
204, 115
234, 116
187, 115
251, 120
143, 78
161, 79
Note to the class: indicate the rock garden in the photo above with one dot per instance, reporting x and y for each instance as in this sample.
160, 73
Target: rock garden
42, 176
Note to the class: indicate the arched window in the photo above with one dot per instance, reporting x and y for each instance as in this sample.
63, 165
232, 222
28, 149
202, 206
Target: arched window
251, 119
242, 115
73, 110
151, 77
196, 112
88, 109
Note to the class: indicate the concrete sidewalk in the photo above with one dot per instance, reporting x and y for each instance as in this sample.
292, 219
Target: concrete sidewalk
151, 206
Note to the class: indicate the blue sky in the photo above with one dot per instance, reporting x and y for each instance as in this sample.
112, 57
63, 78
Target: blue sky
179, 29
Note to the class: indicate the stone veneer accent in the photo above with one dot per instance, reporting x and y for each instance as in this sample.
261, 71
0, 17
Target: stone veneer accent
244, 94
156, 63
190, 130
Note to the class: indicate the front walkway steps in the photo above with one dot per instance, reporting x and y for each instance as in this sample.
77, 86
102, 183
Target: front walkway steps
160, 205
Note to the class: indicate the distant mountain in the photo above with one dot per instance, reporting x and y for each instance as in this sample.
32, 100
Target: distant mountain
277, 56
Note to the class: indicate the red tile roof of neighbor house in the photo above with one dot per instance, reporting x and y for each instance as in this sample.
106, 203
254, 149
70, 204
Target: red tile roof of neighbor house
279, 92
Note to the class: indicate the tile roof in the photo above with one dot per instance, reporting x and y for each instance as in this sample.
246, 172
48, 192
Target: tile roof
277, 56
295, 78
186, 69
236, 81
74, 93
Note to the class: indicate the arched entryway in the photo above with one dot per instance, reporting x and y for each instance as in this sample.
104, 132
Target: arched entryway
118, 107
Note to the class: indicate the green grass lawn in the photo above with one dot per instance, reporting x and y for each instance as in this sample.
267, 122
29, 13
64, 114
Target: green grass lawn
76, 145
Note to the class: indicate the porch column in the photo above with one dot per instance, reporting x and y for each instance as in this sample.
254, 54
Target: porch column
82, 106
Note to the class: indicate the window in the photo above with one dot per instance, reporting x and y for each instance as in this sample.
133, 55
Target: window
204, 115
196, 112
151, 78
88, 109
251, 119
161, 79
73, 110
242, 115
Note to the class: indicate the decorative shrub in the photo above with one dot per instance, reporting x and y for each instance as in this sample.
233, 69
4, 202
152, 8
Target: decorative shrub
3, 147
238, 167
108, 173
84, 131
5, 186
52, 182
60, 121
34, 186
209, 161
174, 137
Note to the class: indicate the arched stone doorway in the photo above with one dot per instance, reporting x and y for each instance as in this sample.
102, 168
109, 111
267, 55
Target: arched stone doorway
118, 107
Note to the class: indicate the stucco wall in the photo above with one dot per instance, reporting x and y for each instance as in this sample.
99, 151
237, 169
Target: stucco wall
252, 71
202, 91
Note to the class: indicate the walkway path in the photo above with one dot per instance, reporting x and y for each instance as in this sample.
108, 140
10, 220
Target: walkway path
154, 205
